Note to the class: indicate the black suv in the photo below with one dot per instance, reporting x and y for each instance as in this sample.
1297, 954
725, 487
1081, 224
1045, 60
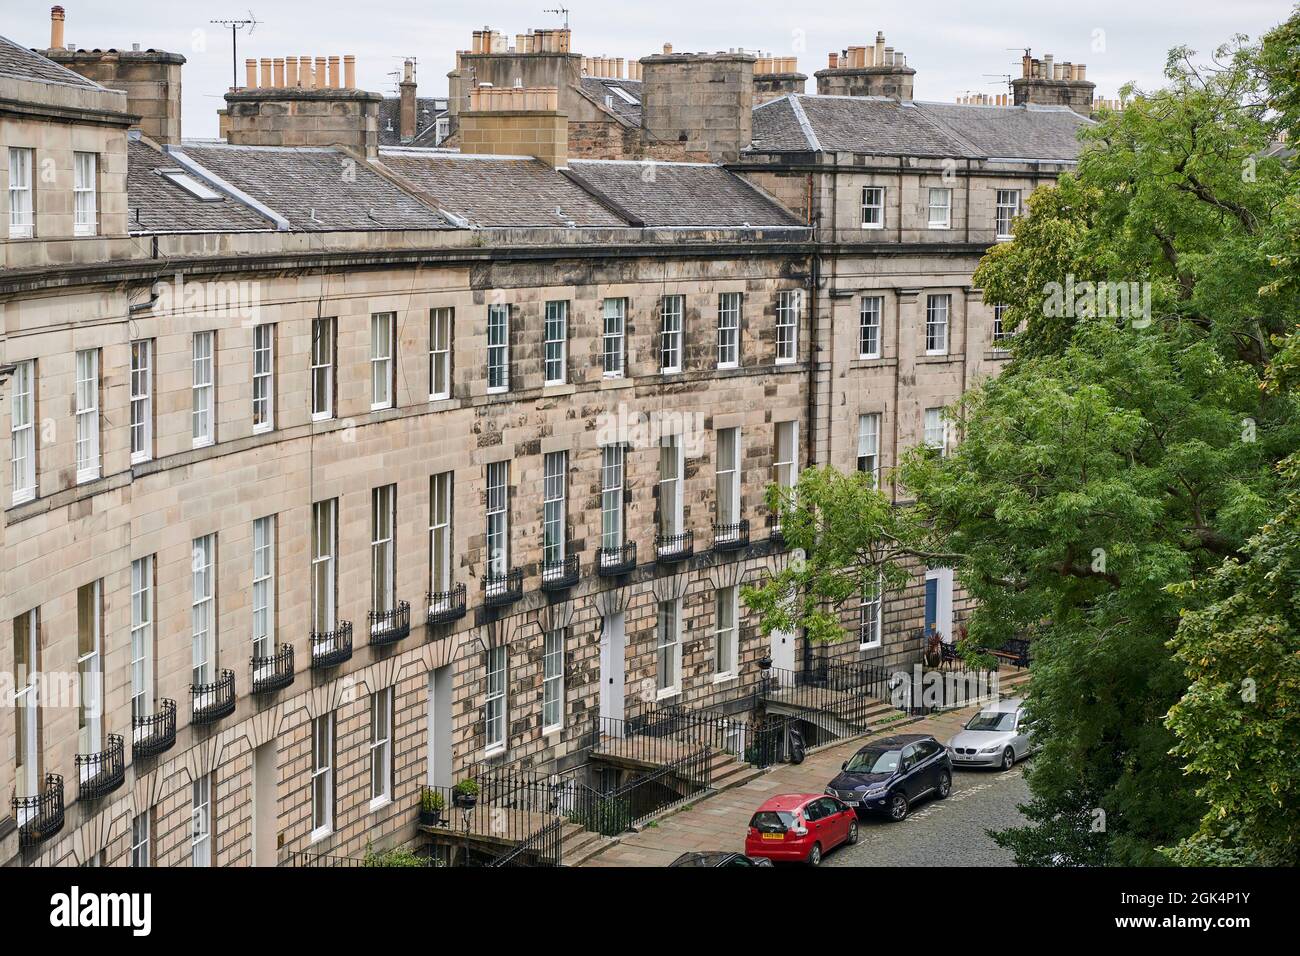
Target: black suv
891, 774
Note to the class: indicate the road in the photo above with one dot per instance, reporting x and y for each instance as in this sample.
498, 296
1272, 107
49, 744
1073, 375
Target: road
945, 832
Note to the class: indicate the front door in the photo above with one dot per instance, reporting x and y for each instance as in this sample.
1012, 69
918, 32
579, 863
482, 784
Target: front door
938, 603
438, 715
612, 673
783, 654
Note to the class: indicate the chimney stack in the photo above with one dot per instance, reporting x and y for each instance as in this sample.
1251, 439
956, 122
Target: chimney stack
56, 28
516, 121
877, 70
407, 114
1048, 83
698, 104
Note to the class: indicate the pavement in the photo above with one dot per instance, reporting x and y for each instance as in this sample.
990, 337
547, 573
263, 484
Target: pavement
937, 833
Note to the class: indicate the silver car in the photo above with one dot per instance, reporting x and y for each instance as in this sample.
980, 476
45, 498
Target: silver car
997, 736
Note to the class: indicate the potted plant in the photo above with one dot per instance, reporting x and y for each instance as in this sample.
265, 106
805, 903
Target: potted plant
431, 805
465, 794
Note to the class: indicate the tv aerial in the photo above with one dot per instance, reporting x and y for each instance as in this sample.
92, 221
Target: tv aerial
234, 26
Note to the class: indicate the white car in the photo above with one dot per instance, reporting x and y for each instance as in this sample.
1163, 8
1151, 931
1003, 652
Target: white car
997, 736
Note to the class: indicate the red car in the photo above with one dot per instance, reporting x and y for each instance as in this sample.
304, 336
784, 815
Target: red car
800, 827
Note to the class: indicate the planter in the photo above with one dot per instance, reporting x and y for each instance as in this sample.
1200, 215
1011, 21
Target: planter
466, 801
430, 818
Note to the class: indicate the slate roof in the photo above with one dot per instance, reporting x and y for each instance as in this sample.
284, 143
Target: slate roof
499, 190
316, 188
427, 111
681, 194
16, 60
158, 205
597, 87
885, 127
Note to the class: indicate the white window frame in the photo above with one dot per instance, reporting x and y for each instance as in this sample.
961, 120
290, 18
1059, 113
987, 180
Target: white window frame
141, 400
203, 389
1006, 209
383, 360
613, 461
201, 821
263, 594
322, 776
672, 475
727, 477
497, 517
324, 569
441, 321
936, 430
785, 458
789, 306
141, 828
871, 326
494, 700
555, 505
440, 531
668, 648
729, 308
940, 213
869, 446
726, 633
85, 208
498, 349
90, 673
1000, 334
555, 345
22, 431
614, 338
873, 201
87, 415
22, 193
322, 368
27, 712
383, 550
142, 644
873, 603
203, 612
381, 748
553, 642
263, 378
938, 320
672, 315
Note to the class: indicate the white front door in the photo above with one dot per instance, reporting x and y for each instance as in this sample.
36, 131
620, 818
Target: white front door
612, 673
438, 713
783, 655
265, 806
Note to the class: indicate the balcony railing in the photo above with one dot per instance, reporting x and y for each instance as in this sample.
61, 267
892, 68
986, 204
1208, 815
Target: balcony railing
153, 734
41, 816
445, 606
210, 702
331, 648
670, 548
389, 627
100, 774
561, 573
617, 560
731, 537
502, 589
272, 672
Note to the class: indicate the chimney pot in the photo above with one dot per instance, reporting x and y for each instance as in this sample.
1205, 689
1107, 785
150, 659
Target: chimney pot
290, 71
250, 73
266, 71
56, 28
350, 72
278, 67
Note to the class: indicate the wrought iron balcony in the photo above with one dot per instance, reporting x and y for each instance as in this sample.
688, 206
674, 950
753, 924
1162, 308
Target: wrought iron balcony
272, 672
445, 606
502, 589
389, 627
153, 734
731, 537
100, 774
611, 562
560, 574
211, 702
670, 548
331, 648
41, 816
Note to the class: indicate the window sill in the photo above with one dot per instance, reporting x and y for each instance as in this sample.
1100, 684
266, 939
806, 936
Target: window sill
616, 382
558, 388
498, 389
321, 834
381, 406
939, 227
378, 803
724, 678
552, 731
439, 398
322, 416
202, 443
22, 497
873, 227
938, 358
786, 361
869, 647
85, 477
668, 692
727, 366
263, 429
139, 458
997, 355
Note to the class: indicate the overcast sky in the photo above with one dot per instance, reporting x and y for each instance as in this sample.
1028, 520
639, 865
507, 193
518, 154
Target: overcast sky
952, 45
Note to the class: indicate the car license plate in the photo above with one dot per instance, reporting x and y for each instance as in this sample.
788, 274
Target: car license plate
773, 836
850, 803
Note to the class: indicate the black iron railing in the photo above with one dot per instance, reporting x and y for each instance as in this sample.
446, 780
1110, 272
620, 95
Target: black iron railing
445, 606
388, 627
41, 816
732, 536
99, 774
331, 648
674, 547
620, 559
659, 734
542, 848
273, 672
502, 589
838, 699
152, 734
559, 574
211, 702
302, 858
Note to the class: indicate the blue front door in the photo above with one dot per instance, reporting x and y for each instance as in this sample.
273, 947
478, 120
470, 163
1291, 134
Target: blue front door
931, 605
